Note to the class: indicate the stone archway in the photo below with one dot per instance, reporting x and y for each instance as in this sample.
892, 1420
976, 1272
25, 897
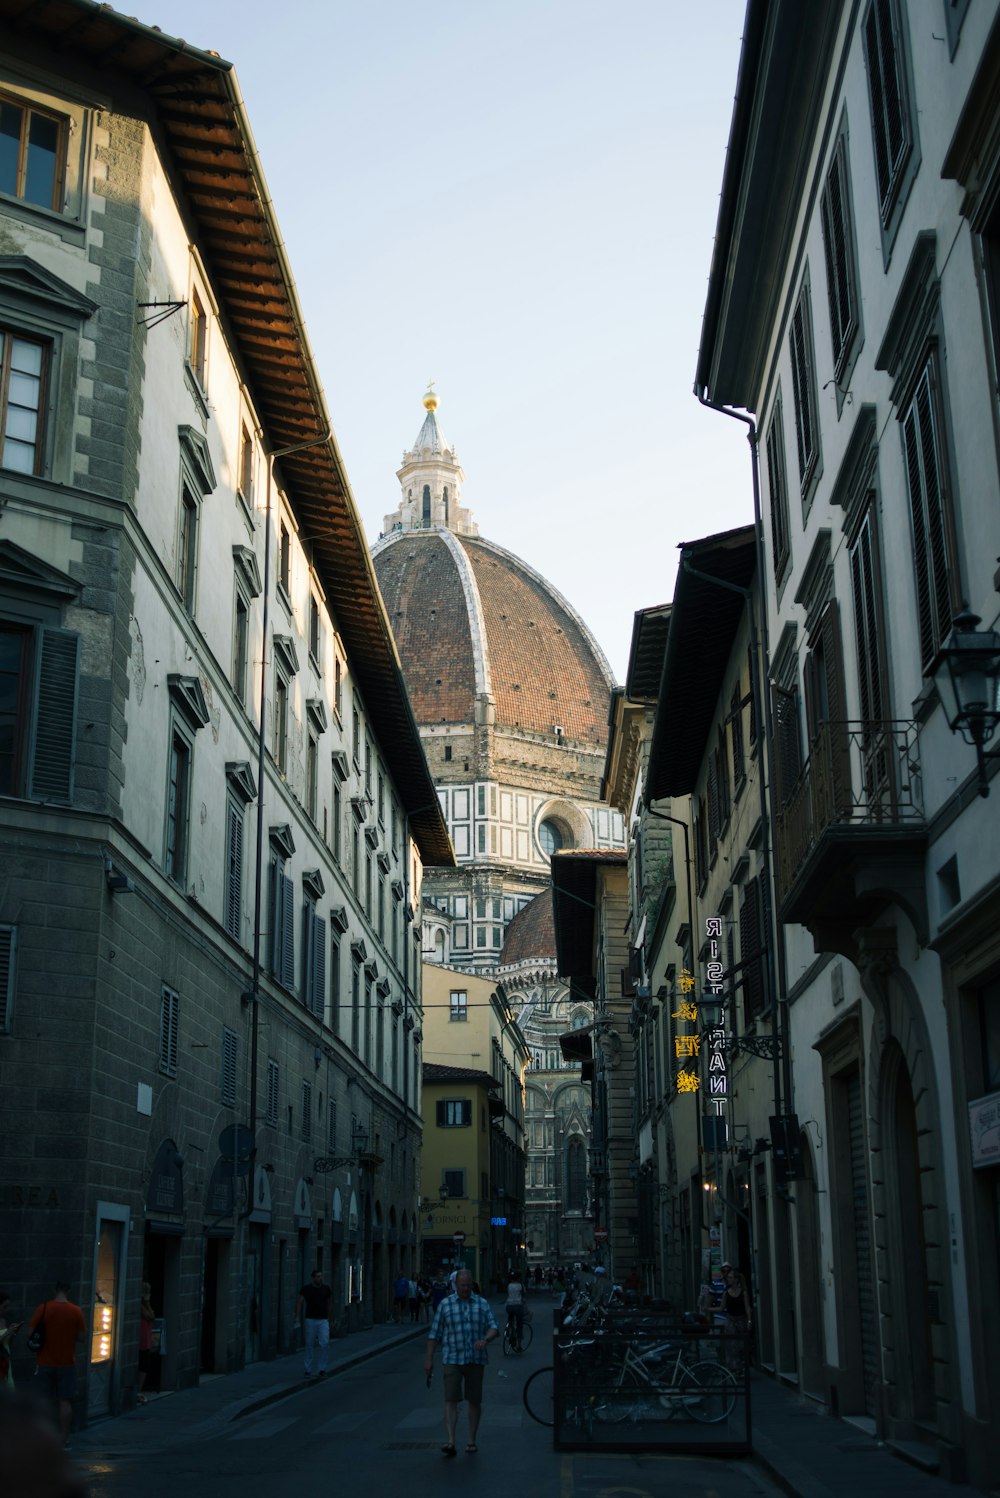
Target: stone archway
909, 1212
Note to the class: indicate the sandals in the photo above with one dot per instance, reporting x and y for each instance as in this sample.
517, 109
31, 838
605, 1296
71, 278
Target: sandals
472, 1447
448, 1451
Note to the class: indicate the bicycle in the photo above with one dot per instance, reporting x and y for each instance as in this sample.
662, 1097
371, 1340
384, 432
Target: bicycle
514, 1342
704, 1390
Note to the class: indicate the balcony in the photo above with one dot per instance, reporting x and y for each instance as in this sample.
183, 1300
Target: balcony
851, 835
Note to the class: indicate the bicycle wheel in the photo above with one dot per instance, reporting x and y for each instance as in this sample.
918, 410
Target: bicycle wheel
538, 1397
510, 1344
716, 1394
622, 1400
526, 1335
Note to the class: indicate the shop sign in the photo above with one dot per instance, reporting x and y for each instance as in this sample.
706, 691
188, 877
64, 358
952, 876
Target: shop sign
498, 1222
984, 1126
166, 1184
715, 974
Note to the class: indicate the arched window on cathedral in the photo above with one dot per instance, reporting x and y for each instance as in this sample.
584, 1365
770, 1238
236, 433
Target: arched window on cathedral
575, 1194
446, 504
426, 516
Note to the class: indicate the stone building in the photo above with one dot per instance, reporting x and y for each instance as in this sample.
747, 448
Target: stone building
210, 992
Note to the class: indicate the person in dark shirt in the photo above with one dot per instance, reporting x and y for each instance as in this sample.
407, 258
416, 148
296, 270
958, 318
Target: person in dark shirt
314, 1301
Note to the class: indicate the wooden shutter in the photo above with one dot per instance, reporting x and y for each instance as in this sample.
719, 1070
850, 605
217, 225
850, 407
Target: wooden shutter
287, 932
787, 747
750, 951
55, 718
838, 269
886, 98
826, 706
273, 1078
929, 516
777, 491
169, 1017
318, 964
234, 871
8, 937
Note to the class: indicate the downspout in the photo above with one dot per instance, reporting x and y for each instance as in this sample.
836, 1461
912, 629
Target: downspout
777, 979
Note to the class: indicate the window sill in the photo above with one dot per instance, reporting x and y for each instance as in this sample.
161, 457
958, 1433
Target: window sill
198, 394
283, 598
246, 510
72, 230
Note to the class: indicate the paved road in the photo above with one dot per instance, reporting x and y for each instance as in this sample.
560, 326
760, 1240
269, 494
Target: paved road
377, 1428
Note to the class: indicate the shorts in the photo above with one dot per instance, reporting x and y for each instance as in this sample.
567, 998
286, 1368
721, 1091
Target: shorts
56, 1383
472, 1374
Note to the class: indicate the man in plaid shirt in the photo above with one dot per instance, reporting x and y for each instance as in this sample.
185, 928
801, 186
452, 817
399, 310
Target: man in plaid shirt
464, 1325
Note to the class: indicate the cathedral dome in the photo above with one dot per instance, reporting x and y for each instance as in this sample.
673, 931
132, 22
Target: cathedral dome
472, 622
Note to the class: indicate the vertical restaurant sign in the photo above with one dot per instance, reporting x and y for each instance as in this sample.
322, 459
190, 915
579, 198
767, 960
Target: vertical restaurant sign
715, 1036
687, 1043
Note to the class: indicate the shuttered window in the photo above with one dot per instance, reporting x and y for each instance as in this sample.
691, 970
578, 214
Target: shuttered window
751, 927
233, 896
38, 708
178, 807
930, 512
787, 741
273, 1082
356, 1007
282, 925
307, 1104
804, 390
887, 97
313, 961
331, 1128
169, 1022
826, 704
838, 244
8, 947
778, 492
230, 1051
736, 729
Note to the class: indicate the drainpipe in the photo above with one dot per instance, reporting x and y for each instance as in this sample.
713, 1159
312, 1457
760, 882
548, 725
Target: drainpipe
776, 973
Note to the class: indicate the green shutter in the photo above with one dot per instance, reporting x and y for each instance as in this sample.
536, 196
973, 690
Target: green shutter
55, 719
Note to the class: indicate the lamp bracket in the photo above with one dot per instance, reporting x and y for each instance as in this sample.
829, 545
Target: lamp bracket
768, 1047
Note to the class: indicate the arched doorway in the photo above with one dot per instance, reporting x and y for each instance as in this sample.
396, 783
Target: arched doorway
813, 1338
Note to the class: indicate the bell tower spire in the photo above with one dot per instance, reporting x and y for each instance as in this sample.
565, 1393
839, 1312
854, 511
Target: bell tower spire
431, 481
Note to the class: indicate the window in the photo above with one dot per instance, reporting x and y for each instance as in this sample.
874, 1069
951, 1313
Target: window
380, 1040
307, 1104
338, 689
356, 1008
314, 632
284, 560
778, 491
233, 895
331, 1127
230, 1051
550, 837
246, 467
787, 740
454, 1113
458, 1004
826, 705
279, 739
356, 736
282, 913
841, 273
930, 512
368, 767
869, 635
893, 130
454, 1182
38, 689
337, 818
23, 376
751, 949
334, 981
187, 548
312, 775
271, 1099
32, 154
241, 646
736, 729
169, 1020
752, 694
198, 344
313, 960
178, 806
804, 394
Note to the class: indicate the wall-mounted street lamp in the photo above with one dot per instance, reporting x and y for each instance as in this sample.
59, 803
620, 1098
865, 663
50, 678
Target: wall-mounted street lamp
359, 1154
427, 1203
712, 1009
965, 672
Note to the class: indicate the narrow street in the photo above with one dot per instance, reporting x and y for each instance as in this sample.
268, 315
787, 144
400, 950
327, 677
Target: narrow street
379, 1427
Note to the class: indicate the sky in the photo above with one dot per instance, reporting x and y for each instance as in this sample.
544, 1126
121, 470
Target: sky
517, 201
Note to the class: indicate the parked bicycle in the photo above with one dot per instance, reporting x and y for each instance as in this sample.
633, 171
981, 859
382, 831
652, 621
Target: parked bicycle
655, 1383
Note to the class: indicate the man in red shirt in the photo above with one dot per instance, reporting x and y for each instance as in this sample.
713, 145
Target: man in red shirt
55, 1362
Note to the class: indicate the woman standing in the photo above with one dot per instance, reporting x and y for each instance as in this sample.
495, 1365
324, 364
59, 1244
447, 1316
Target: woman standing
736, 1309
7, 1330
146, 1318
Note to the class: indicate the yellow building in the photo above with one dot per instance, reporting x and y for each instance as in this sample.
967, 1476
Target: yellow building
473, 1169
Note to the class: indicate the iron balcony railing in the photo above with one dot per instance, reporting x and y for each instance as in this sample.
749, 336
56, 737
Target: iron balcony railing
858, 774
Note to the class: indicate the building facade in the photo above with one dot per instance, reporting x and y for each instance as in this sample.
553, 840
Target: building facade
216, 806
852, 311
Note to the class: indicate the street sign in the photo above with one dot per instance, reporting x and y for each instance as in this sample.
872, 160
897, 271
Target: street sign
600, 1235
458, 1237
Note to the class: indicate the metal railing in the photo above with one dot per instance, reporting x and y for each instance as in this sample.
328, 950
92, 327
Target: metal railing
858, 774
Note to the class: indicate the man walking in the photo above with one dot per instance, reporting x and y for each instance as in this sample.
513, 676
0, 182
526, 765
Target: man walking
464, 1325
55, 1361
314, 1300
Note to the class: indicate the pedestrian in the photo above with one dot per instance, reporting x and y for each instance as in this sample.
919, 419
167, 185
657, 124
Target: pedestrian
400, 1295
439, 1289
736, 1309
424, 1297
35, 1464
515, 1308
146, 1318
312, 1311
62, 1326
464, 1325
414, 1302
7, 1331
